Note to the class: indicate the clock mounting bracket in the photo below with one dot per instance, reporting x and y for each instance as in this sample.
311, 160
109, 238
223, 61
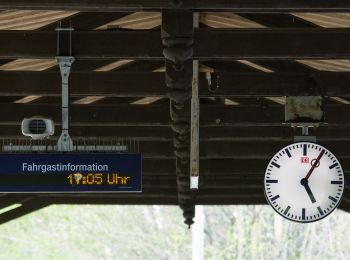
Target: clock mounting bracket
305, 137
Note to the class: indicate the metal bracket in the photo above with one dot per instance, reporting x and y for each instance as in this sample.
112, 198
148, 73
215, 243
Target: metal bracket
64, 48
211, 86
305, 137
65, 142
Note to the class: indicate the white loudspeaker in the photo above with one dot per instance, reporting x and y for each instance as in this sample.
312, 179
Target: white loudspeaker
38, 128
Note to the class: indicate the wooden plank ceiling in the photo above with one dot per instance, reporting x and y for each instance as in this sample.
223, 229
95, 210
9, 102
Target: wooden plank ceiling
240, 129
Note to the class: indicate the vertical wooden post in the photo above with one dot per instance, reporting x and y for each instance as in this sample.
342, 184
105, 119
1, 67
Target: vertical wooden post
177, 38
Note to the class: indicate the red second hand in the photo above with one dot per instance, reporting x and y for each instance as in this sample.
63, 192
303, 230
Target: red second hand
314, 165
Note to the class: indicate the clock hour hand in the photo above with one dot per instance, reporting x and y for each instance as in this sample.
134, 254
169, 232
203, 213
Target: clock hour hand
305, 183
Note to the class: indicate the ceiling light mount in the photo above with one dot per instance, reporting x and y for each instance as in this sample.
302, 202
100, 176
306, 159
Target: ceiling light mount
304, 112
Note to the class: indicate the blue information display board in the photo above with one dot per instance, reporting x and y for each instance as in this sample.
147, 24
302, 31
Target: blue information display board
70, 173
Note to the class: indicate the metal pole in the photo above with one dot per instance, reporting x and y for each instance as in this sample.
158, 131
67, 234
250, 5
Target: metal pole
65, 142
194, 156
198, 234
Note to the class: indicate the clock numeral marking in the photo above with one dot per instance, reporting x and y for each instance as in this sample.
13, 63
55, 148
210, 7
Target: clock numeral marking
320, 210
303, 213
333, 165
304, 149
271, 181
275, 164
336, 182
288, 153
286, 210
332, 198
275, 198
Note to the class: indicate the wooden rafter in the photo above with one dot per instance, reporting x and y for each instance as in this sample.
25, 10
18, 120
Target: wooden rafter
151, 84
273, 44
213, 5
157, 115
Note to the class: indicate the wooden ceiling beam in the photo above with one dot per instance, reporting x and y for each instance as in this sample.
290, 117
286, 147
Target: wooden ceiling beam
221, 44
278, 20
250, 199
141, 66
280, 132
220, 167
158, 115
118, 199
143, 84
203, 5
86, 20
154, 200
24, 209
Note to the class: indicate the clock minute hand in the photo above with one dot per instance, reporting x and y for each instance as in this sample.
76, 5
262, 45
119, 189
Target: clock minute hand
314, 164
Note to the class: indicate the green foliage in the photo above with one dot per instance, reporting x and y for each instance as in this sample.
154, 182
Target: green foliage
158, 232
97, 232
257, 232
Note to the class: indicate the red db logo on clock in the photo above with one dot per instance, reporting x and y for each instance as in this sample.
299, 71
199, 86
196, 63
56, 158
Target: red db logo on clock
304, 159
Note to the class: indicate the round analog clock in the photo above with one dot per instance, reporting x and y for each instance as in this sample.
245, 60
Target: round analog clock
304, 182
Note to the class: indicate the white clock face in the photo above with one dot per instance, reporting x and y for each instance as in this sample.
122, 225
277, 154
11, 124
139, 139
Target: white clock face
304, 182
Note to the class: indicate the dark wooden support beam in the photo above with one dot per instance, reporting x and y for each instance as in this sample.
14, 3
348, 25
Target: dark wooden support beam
170, 198
220, 168
269, 6
285, 66
9, 199
147, 84
110, 84
141, 66
24, 209
116, 44
84, 66
262, 149
220, 44
229, 66
157, 115
156, 199
281, 44
86, 20
177, 38
159, 199
152, 200
277, 84
101, 114
323, 133
278, 20
240, 200
82, 21
345, 205
206, 196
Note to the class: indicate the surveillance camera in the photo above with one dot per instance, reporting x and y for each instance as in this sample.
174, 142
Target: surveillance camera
38, 127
